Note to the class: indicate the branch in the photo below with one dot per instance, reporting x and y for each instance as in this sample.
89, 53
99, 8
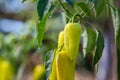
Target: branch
14, 16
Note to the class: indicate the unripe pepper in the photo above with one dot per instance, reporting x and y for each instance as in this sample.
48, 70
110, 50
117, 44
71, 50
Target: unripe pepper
72, 33
65, 67
53, 75
39, 72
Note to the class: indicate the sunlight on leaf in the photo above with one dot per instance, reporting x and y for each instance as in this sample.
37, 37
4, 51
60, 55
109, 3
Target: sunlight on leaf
48, 62
89, 39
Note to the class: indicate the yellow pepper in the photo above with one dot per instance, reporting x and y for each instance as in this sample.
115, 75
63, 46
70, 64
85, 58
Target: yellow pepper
6, 70
60, 39
72, 33
65, 67
39, 72
53, 75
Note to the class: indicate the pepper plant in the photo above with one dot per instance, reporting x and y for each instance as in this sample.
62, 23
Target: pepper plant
80, 29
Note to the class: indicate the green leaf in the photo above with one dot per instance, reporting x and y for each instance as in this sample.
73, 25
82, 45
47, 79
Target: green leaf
84, 7
41, 8
99, 6
99, 48
116, 22
89, 41
48, 62
40, 29
70, 2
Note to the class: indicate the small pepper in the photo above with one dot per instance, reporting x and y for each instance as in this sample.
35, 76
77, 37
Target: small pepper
53, 75
60, 39
39, 72
6, 70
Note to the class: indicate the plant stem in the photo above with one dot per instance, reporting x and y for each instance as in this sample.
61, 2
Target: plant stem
77, 16
67, 12
87, 12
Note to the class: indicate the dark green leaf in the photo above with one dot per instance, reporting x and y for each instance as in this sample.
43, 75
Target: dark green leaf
48, 62
40, 29
41, 8
84, 7
99, 6
70, 2
23, 1
99, 48
118, 57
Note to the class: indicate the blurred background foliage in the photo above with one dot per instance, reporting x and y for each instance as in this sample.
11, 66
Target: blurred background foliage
18, 43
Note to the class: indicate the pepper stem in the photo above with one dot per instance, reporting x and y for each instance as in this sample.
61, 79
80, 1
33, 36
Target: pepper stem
76, 16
